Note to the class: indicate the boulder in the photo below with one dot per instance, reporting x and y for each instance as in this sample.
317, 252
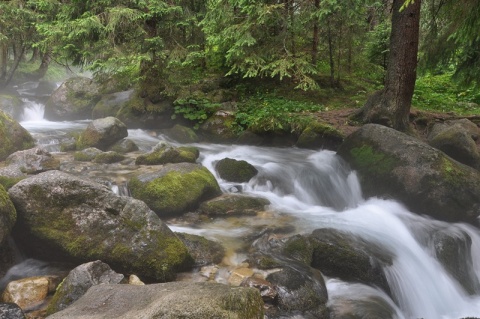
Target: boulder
33, 161
175, 188
233, 204
394, 165
29, 293
457, 139
168, 300
11, 105
182, 134
164, 153
79, 280
453, 249
108, 157
300, 289
86, 155
110, 104
102, 133
219, 127
320, 135
11, 311
13, 137
233, 170
8, 215
64, 217
204, 252
124, 146
73, 100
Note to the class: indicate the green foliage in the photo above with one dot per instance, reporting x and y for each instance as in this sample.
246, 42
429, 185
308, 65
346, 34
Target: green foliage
441, 93
195, 109
272, 113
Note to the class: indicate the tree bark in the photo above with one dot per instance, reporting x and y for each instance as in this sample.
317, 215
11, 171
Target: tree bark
391, 106
316, 36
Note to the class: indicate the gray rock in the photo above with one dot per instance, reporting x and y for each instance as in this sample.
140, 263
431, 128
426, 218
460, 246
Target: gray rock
13, 137
11, 311
79, 280
63, 217
8, 215
233, 204
124, 146
33, 161
11, 105
169, 300
394, 165
73, 100
175, 188
204, 251
457, 139
233, 170
164, 153
182, 134
102, 133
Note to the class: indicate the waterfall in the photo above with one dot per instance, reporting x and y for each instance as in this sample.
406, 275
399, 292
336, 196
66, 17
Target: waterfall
32, 111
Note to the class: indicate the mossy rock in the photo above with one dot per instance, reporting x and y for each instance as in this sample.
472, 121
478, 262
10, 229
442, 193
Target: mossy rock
13, 137
124, 146
87, 155
73, 100
391, 164
220, 127
204, 251
175, 188
111, 104
168, 300
235, 171
33, 161
232, 205
8, 214
108, 157
182, 134
64, 217
320, 135
164, 153
102, 133
11, 105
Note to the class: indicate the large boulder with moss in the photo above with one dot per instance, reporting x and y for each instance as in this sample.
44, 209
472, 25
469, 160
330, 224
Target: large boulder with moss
220, 127
457, 139
11, 105
320, 135
175, 188
79, 280
63, 217
182, 134
232, 170
13, 137
8, 215
233, 205
102, 133
394, 165
73, 100
164, 153
33, 161
111, 104
167, 300
204, 251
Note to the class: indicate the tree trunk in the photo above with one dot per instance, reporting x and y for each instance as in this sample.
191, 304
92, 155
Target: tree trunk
391, 106
316, 36
330, 53
3, 62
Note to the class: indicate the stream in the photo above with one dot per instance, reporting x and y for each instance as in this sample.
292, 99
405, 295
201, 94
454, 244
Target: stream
310, 189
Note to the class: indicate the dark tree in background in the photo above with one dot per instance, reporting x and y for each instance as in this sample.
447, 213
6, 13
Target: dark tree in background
391, 105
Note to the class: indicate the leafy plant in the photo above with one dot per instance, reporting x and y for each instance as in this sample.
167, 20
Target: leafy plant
271, 113
197, 110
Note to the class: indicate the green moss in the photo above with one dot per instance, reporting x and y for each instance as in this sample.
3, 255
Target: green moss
246, 302
367, 159
108, 157
175, 192
168, 154
235, 171
299, 248
7, 210
8, 182
450, 172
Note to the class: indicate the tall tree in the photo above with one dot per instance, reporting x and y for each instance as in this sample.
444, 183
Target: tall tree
391, 105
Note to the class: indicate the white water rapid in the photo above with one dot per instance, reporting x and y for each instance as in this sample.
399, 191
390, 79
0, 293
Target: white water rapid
315, 189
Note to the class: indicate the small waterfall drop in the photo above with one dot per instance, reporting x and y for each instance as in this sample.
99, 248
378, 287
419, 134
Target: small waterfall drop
32, 111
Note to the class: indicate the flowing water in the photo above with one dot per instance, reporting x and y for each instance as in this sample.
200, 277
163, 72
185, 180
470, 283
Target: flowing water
315, 189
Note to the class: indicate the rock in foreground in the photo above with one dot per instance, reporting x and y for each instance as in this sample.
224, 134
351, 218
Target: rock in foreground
170, 300
394, 165
65, 217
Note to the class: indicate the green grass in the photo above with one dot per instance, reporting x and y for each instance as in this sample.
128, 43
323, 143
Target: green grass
440, 93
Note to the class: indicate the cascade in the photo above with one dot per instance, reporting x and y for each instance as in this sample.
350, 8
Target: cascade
316, 189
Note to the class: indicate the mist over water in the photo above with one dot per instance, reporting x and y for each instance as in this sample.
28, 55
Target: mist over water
316, 189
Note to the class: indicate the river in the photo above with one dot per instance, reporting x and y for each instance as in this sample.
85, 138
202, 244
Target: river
310, 189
